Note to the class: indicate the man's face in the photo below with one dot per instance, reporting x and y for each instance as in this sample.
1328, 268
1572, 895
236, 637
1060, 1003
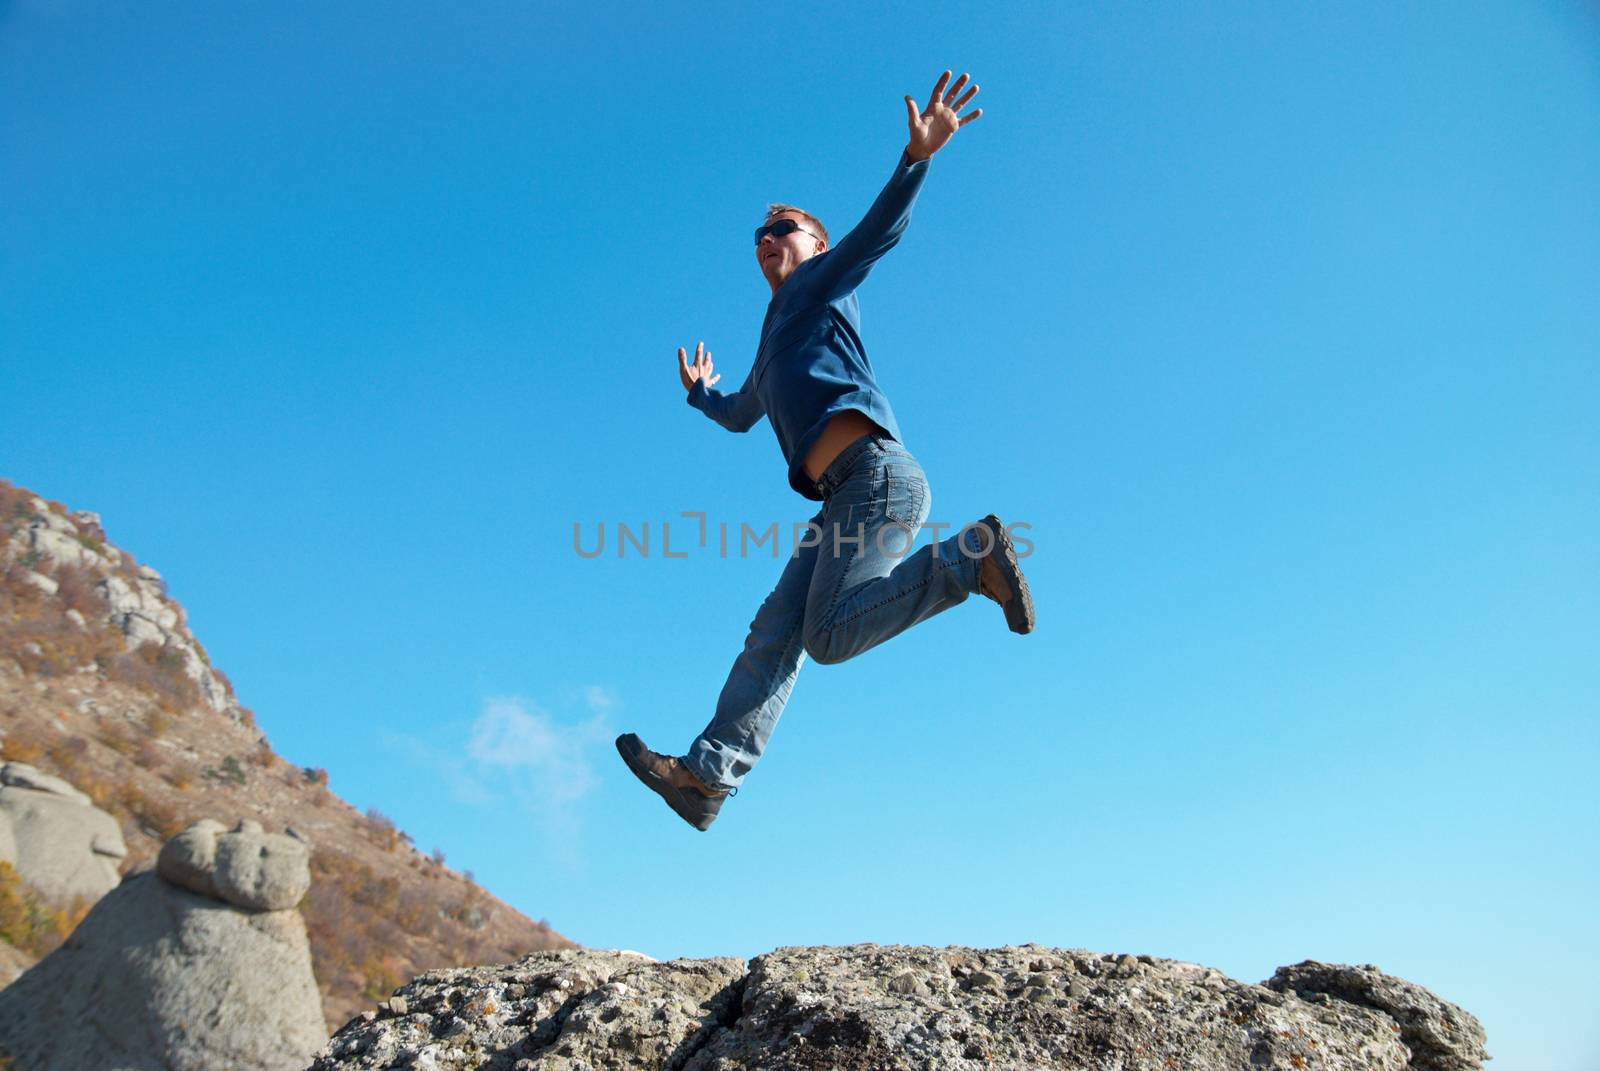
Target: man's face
779, 257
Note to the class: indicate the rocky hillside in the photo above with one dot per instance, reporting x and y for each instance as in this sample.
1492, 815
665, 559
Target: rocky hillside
872, 1008
103, 685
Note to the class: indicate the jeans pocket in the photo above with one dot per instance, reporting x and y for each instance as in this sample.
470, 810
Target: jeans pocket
905, 491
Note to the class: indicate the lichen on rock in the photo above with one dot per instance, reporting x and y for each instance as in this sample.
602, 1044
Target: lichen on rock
872, 1008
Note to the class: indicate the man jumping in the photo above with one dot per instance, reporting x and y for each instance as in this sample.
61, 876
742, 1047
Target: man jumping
855, 586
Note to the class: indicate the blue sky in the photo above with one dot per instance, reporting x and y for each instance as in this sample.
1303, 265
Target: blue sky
1278, 327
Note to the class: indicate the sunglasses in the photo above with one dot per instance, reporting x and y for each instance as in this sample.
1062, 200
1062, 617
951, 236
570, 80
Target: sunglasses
780, 227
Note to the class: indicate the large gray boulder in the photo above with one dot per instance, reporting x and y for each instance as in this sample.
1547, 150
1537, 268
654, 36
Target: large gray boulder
247, 867
59, 842
162, 978
874, 1008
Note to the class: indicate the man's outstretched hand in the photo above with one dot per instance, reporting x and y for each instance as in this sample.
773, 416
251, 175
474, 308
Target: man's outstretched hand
934, 125
701, 369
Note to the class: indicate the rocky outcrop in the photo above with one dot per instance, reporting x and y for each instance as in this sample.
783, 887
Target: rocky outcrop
872, 1008
60, 843
160, 977
135, 596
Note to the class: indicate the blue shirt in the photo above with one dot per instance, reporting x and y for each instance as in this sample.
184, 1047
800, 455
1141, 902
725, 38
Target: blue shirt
810, 363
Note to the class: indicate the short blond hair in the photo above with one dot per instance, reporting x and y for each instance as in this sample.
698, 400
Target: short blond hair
780, 209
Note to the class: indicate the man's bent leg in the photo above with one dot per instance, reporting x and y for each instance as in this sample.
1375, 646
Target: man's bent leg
865, 587
759, 684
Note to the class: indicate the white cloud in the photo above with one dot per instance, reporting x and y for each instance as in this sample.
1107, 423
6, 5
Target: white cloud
601, 700
464, 786
547, 761
521, 759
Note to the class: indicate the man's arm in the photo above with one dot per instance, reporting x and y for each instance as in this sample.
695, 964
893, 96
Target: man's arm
844, 267
736, 412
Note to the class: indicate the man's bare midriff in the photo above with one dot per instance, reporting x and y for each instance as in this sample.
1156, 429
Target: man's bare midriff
842, 429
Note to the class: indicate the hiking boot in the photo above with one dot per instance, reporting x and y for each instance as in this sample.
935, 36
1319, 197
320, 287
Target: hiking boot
1000, 578
674, 782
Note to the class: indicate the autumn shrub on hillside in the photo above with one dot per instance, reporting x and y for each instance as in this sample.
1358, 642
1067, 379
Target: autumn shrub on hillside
380, 977
231, 772
148, 754
381, 830
67, 755
28, 921
16, 506
119, 739
90, 530
180, 775
317, 777
20, 590
78, 589
100, 791
157, 671
158, 817
19, 748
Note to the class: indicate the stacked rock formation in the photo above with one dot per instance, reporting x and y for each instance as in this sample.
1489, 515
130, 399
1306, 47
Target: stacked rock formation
202, 964
873, 1008
59, 842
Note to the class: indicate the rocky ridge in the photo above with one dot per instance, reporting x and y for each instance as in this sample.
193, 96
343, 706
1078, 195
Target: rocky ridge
872, 1008
132, 598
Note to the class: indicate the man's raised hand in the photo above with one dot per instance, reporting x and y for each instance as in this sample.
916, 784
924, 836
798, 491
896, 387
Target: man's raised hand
701, 369
934, 125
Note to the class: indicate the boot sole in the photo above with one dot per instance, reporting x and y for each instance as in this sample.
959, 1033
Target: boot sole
699, 811
1018, 608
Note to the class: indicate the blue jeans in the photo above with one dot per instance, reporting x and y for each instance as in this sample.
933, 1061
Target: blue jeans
849, 585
